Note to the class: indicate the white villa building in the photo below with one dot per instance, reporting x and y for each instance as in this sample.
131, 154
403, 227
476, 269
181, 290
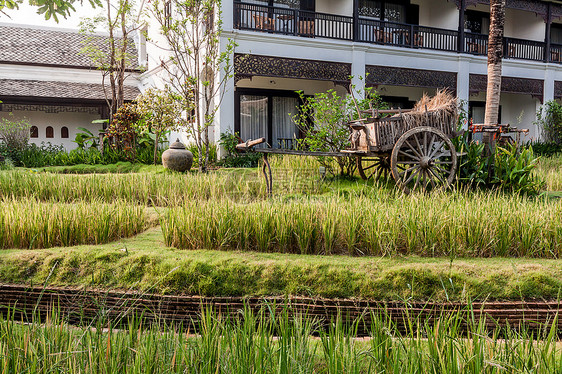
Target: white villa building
45, 78
403, 48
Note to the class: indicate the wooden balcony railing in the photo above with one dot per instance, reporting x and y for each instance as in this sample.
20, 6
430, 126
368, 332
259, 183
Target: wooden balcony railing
406, 35
292, 22
296, 22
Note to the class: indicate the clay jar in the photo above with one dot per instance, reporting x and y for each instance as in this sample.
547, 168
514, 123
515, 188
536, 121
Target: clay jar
177, 158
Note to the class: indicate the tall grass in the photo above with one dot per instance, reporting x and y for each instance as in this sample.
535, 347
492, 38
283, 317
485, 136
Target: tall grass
550, 170
263, 342
28, 223
162, 189
379, 223
143, 188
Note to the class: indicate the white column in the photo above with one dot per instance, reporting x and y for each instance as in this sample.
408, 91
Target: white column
227, 15
358, 71
463, 82
548, 93
224, 121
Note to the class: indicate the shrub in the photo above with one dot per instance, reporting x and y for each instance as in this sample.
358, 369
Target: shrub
233, 158
47, 154
195, 151
6, 164
324, 120
546, 148
513, 169
121, 132
14, 134
160, 114
549, 120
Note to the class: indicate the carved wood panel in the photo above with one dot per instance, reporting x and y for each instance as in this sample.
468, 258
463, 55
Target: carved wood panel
527, 86
385, 75
538, 7
247, 66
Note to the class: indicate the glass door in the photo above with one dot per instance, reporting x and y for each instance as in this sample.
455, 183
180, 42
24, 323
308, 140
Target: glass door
268, 114
284, 129
253, 116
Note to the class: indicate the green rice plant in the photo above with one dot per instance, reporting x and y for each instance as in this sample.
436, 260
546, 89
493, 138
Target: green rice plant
168, 189
548, 169
28, 223
452, 224
278, 340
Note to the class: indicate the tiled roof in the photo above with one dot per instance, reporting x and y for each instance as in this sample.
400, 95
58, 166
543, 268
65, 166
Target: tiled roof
44, 46
61, 90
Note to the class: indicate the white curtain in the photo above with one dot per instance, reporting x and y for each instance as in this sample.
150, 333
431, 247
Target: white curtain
284, 128
253, 117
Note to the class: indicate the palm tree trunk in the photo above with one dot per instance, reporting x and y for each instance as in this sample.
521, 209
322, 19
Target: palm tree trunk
493, 91
495, 55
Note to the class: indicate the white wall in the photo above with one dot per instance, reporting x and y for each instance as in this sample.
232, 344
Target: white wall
57, 121
339, 7
57, 74
524, 25
520, 111
438, 13
517, 110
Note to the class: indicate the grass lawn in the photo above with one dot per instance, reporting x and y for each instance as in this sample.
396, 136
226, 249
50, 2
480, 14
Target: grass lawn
144, 261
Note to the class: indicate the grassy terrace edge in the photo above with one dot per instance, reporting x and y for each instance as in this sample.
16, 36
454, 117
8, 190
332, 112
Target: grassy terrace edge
145, 263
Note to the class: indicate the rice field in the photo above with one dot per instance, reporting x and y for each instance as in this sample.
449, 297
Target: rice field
27, 223
228, 210
142, 188
381, 224
270, 342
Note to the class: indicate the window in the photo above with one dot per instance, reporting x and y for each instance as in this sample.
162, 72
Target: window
64, 132
477, 22
268, 114
33, 132
556, 33
370, 8
50, 133
393, 11
209, 20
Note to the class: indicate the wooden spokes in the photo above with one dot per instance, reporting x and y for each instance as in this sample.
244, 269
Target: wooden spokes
373, 166
424, 158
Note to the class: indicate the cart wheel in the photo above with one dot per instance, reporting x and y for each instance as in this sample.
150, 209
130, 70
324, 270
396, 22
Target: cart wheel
423, 158
373, 166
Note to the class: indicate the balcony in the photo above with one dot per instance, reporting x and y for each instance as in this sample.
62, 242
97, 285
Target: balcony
285, 21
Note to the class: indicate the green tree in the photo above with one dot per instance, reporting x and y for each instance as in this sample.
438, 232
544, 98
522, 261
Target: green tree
49, 8
160, 114
113, 55
549, 121
198, 67
324, 120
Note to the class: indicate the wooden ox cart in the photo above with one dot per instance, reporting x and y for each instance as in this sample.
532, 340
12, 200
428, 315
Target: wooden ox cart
413, 145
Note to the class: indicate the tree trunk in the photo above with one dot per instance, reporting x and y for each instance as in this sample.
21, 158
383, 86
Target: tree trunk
495, 55
493, 90
157, 134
